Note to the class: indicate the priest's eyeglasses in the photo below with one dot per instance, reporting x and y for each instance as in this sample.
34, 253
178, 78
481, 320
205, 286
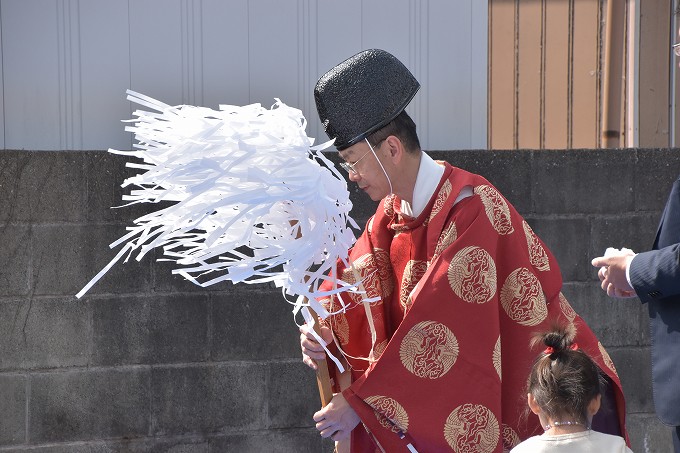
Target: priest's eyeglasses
349, 167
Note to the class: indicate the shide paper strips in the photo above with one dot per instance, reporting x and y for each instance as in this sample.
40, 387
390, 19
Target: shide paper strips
245, 197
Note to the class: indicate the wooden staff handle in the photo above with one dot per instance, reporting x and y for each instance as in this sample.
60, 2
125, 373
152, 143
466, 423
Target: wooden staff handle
323, 378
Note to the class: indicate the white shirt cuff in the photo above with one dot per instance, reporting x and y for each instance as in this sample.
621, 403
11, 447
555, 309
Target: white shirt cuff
628, 271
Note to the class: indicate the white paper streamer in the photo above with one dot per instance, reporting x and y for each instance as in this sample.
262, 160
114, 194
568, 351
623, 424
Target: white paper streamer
249, 199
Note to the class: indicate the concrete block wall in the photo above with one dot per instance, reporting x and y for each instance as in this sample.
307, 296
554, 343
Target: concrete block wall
147, 362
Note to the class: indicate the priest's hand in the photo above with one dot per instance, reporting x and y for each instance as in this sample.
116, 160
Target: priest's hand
612, 273
337, 419
311, 348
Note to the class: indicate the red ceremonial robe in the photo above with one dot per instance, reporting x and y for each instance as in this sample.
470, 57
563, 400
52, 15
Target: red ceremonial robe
462, 290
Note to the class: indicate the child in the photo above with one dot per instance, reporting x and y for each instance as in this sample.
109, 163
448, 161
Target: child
564, 390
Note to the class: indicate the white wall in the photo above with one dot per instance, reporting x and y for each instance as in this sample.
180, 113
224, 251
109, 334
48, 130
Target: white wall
67, 63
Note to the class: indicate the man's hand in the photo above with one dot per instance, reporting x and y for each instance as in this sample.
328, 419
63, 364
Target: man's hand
311, 349
337, 419
612, 273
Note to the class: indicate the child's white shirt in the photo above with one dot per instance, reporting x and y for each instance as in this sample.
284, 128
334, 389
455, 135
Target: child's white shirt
581, 442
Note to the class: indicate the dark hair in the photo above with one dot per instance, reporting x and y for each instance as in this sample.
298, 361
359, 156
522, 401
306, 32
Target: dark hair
564, 379
402, 127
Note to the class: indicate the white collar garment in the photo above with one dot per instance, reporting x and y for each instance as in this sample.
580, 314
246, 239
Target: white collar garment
427, 180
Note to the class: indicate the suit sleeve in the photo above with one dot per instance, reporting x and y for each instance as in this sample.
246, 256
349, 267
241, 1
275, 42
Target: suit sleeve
656, 274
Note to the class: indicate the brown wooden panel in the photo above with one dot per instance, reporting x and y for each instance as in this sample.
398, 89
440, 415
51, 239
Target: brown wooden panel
629, 87
585, 33
529, 78
501, 104
556, 74
654, 73
613, 38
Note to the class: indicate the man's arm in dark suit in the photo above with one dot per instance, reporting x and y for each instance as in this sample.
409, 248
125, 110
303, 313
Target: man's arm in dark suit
656, 274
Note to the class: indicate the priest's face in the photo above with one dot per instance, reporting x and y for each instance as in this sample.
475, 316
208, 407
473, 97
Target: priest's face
364, 169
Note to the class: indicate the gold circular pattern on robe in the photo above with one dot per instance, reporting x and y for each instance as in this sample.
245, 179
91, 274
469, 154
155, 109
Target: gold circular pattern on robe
522, 298
389, 413
442, 196
510, 438
472, 428
364, 272
567, 309
496, 357
413, 272
607, 360
472, 275
537, 255
448, 237
369, 227
379, 349
429, 350
385, 274
496, 209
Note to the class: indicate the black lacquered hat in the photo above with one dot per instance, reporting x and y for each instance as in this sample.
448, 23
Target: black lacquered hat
363, 94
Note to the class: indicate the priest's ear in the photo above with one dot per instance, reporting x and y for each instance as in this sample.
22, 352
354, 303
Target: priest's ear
393, 147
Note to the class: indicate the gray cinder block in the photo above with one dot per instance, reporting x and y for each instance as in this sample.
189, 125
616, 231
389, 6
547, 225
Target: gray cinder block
89, 404
214, 398
149, 330
253, 324
655, 172
293, 395
633, 365
44, 333
279, 441
583, 181
42, 187
66, 258
15, 260
13, 403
